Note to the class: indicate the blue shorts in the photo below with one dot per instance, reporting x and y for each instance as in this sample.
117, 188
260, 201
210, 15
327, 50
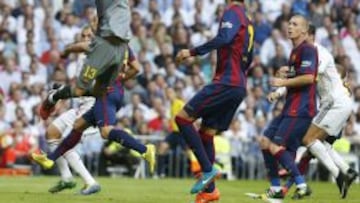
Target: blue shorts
288, 131
103, 112
216, 104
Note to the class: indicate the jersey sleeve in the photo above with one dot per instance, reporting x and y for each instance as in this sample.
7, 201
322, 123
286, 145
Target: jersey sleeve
309, 61
229, 26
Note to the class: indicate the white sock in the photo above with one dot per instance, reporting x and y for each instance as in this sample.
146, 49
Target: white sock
319, 151
76, 163
301, 186
61, 163
338, 160
275, 188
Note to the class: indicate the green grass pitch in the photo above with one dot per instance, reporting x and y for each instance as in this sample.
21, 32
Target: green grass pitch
124, 190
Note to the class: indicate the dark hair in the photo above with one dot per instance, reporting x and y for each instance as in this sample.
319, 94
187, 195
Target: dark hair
312, 29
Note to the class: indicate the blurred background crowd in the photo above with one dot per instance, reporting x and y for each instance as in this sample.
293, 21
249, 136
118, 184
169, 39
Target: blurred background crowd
34, 32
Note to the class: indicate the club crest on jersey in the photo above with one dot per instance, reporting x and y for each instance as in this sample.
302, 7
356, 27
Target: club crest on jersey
291, 73
226, 24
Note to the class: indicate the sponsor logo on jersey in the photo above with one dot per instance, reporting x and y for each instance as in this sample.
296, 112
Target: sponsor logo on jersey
305, 64
226, 24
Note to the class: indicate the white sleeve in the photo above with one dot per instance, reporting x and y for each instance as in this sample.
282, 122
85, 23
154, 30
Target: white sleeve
324, 59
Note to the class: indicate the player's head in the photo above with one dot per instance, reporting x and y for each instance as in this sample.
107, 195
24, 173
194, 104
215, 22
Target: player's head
298, 27
311, 33
87, 34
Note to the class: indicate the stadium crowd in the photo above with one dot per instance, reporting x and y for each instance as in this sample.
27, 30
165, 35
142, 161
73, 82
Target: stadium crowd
34, 32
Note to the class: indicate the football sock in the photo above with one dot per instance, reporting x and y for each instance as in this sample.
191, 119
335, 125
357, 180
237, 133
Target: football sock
338, 160
62, 93
122, 137
77, 164
68, 143
61, 163
193, 139
319, 151
304, 163
271, 165
208, 143
287, 161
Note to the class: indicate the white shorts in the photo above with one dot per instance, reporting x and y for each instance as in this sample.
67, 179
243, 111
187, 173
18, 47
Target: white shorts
64, 123
333, 115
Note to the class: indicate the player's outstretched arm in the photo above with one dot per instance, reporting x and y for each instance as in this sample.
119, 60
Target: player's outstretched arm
293, 82
77, 47
229, 26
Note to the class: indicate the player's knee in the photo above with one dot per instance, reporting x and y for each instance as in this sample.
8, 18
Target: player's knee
274, 148
207, 134
182, 118
163, 148
105, 131
52, 133
79, 91
309, 138
80, 125
264, 142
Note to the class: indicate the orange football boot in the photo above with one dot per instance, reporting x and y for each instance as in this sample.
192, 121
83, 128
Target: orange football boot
204, 197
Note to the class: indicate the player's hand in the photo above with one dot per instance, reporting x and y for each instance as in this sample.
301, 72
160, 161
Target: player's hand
182, 55
121, 76
273, 96
277, 82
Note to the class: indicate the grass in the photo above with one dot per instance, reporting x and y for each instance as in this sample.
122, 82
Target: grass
124, 190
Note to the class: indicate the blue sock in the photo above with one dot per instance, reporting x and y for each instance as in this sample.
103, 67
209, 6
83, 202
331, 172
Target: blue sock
126, 140
193, 139
287, 161
271, 165
208, 143
68, 143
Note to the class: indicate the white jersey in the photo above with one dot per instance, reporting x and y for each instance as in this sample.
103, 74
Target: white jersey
329, 84
335, 101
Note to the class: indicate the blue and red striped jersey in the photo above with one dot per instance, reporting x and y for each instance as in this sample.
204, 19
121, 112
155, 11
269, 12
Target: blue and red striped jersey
301, 101
234, 44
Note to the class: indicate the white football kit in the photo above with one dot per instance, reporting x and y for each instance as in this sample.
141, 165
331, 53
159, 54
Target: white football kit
335, 101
